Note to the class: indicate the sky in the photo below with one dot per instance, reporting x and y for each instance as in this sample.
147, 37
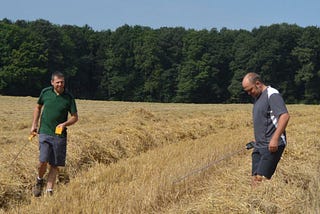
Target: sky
190, 14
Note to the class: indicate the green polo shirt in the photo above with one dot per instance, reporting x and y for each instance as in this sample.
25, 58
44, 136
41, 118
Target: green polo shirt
55, 110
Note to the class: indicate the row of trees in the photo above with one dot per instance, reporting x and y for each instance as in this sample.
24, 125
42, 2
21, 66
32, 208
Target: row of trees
136, 63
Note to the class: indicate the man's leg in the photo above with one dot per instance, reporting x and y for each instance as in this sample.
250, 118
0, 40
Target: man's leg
59, 159
269, 161
52, 177
257, 179
265, 164
255, 164
42, 168
45, 150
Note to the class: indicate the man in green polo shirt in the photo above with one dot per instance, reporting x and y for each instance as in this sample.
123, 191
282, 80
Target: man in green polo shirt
57, 103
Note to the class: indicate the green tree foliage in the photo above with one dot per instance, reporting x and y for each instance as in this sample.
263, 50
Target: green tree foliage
307, 77
119, 79
23, 60
80, 49
242, 50
204, 74
170, 43
137, 63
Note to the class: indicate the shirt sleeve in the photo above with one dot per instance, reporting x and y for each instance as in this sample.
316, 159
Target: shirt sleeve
73, 106
277, 105
40, 99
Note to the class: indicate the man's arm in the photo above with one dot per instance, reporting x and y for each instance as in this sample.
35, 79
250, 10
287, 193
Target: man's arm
282, 124
36, 116
72, 120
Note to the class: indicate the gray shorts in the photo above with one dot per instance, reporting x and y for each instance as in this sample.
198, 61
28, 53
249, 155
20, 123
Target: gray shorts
53, 149
264, 162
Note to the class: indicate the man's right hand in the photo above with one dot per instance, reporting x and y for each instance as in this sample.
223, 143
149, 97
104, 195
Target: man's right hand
33, 133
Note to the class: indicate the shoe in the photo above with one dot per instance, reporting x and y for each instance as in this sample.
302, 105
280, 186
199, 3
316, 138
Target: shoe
37, 190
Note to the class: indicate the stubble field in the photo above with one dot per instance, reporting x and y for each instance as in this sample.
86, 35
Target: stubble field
159, 158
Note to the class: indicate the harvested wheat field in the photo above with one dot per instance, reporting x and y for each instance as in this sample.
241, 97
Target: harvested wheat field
159, 158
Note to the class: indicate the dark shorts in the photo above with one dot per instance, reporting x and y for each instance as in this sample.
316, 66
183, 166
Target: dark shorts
264, 162
53, 149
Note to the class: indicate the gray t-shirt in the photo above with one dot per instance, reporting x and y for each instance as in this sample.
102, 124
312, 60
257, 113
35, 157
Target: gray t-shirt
266, 111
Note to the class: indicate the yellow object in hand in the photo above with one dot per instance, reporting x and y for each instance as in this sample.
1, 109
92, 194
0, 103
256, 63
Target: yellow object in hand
58, 130
32, 134
30, 137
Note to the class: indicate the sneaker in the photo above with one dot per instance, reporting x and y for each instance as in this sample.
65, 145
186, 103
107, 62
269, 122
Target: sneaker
37, 190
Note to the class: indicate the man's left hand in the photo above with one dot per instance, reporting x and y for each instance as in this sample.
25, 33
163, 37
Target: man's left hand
273, 146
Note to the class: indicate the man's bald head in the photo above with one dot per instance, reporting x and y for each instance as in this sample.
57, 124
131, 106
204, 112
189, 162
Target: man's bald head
253, 84
251, 78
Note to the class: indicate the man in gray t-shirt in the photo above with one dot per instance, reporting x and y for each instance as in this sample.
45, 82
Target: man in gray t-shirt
270, 118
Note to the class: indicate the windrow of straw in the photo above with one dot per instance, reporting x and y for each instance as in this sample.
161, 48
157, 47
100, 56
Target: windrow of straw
105, 134
145, 158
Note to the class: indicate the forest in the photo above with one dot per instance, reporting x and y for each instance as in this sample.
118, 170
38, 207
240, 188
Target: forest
169, 64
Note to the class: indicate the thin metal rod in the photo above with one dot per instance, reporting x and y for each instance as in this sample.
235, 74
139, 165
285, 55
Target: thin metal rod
17, 155
208, 165
22, 148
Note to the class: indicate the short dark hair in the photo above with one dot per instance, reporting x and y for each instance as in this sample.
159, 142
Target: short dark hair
57, 74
